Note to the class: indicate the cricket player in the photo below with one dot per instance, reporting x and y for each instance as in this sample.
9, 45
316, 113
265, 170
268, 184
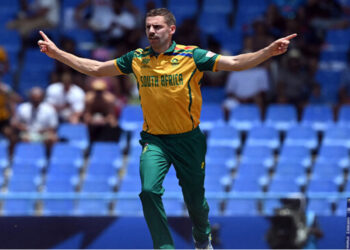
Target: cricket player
168, 78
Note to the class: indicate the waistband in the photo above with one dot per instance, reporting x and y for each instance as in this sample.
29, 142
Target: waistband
176, 136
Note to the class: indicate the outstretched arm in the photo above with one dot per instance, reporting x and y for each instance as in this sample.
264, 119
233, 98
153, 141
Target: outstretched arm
83, 65
250, 60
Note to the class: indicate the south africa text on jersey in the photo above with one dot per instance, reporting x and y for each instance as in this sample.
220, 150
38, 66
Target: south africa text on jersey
161, 81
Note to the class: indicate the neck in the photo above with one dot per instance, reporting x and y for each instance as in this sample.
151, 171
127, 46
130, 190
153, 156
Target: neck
162, 49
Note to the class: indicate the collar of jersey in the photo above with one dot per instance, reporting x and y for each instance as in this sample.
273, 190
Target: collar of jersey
170, 50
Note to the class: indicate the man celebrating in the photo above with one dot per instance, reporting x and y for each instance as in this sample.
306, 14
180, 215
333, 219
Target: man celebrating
168, 77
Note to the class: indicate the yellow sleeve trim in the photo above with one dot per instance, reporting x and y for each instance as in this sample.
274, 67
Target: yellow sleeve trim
117, 67
216, 63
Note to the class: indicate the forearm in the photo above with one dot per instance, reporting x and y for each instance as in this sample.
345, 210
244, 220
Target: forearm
83, 65
245, 61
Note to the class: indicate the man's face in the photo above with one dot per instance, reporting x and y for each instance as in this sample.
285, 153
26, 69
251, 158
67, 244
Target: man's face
158, 31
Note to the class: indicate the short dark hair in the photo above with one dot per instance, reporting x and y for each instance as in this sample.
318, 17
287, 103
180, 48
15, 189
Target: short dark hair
168, 16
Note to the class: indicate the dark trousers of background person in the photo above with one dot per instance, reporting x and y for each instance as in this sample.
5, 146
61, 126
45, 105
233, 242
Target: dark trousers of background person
104, 133
187, 153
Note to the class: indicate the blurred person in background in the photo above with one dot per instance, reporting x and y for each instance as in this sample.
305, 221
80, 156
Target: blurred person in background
99, 113
100, 16
344, 88
38, 14
294, 84
248, 86
35, 121
8, 98
67, 98
122, 24
261, 36
189, 32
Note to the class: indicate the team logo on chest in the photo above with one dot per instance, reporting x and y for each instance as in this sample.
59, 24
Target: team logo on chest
145, 62
174, 62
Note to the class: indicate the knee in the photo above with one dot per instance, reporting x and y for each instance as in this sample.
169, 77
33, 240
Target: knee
149, 191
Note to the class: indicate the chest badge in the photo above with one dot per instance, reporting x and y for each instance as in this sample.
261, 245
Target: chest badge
174, 62
145, 62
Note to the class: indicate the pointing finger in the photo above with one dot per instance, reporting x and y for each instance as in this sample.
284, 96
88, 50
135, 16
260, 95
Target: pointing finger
44, 36
290, 36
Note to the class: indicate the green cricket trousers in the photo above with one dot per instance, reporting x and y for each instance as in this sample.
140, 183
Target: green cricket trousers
187, 154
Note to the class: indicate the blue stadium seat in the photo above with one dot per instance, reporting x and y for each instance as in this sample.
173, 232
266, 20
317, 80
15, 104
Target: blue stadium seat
211, 114
335, 155
20, 207
338, 38
301, 136
4, 155
221, 156
130, 184
58, 207
321, 207
94, 206
245, 116
318, 117
283, 186
326, 171
131, 206
281, 117
217, 6
217, 183
183, 9
215, 206
70, 3
238, 207
65, 153
133, 169
33, 153
212, 23
37, 61
344, 116
131, 117
75, 134
263, 136
291, 154
106, 153
320, 185
62, 171
337, 136
251, 171
212, 95
128, 207
26, 171
258, 155
141, 4
173, 207
341, 207
171, 184
101, 170
243, 185
224, 135
289, 171
332, 55
10, 40
231, 40
330, 83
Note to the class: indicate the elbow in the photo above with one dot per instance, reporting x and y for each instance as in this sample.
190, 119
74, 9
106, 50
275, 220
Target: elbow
96, 71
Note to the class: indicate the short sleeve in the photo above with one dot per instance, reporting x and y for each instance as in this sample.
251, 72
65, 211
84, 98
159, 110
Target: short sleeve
205, 60
124, 63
